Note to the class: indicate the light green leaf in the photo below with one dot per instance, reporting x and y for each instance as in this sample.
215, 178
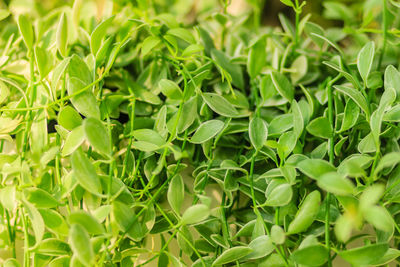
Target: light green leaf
257, 57
262, 246
170, 89
36, 222
74, 139
206, 131
350, 117
220, 105
91, 225
320, 127
355, 95
195, 214
364, 255
149, 44
234, 70
176, 193
79, 241
232, 254
282, 85
280, 195
98, 34
314, 255
365, 59
26, 30
335, 183
62, 35
97, 135
85, 172
306, 214
40, 198
258, 132
69, 118
183, 34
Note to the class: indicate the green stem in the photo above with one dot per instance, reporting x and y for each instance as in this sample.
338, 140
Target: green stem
331, 160
26, 240
10, 234
255, 206
385, 32
297, 33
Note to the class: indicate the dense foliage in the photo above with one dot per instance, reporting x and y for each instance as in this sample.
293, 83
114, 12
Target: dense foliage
137, 133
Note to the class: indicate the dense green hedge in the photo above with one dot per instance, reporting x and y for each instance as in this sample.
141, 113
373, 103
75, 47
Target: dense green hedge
175, 133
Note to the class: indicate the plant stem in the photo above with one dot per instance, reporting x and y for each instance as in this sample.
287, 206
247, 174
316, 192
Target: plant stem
255, 206
385, 32
26, 240
331, 160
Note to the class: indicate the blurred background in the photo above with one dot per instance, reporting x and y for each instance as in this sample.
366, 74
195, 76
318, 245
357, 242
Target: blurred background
188, 10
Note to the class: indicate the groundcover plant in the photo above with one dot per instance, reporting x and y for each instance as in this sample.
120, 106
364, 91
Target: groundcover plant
174, 133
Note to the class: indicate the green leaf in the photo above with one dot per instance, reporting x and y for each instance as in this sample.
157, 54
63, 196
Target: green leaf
298, 120
280, 195
183, 34
306, 214
335, 183
364, 255
389, 160
85, 172
97, 135
206, 131
299, 68
53, 247
54, 221
40, 198
257, 57
170, 89
277, 234
4, 14
315, 255
149, 136
62, 35
44, 61
191, 50
350, 117
98, 34
176, 193
355, 95
220, 105
392, 79
390, 255
74, 139
69, 118
78, 69
365, 59
84, 102
282, 85
320, 127
232, 254
4, 92
234, 70
91, 225
262, 246
195, 214
379, 217
149, 44
10, 262
36, 222
258, 132
58, 72
287, 2
79, 241
393, 114
26, 30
